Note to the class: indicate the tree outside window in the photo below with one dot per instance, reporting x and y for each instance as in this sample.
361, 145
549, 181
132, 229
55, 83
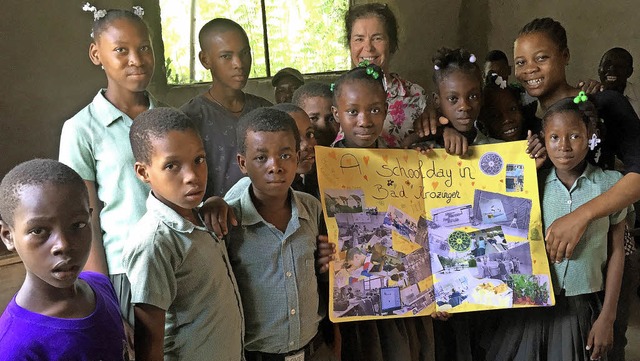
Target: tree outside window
304, 34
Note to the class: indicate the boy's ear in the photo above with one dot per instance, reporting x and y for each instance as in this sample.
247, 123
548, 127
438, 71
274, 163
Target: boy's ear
334, 111
204, 59
141, 171
7, 236
93, 54
242, 163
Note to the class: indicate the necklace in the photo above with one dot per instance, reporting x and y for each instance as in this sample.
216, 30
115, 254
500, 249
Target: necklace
223, 106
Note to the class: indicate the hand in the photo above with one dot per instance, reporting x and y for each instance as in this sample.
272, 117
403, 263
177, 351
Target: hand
564, 234
454, 142
536, 148
441, 315
590, 86
428, 122
217, 215
600, 338
324, 253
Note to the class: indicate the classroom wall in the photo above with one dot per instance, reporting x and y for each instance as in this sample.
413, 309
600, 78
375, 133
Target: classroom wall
593, 27
47, 76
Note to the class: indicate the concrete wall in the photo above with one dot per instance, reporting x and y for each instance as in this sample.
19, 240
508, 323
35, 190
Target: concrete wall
592, 26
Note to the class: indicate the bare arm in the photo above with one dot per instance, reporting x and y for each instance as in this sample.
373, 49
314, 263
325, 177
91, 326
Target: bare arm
565, 232
149, 335
601, 333
97, 261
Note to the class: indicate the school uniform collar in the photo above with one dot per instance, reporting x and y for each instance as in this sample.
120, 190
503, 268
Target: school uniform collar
250, 215
170, 217
108, 113
588, 175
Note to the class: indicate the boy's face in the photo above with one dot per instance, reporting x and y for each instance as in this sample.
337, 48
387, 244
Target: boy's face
360, 111
566, 138
459, 99
52, 234
307, 155
270, 160
228, 57
319, 110
614, 71
177, 173
124, 51
285, 88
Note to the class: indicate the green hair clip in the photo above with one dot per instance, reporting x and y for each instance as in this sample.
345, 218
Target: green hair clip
582, 97
332, 86
370, 70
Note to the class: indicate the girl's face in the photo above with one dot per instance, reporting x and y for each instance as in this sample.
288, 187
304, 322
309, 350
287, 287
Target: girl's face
566, 138
360, 110
539, 64
369, 41
307, 156
501, 115
124, 51
459, 99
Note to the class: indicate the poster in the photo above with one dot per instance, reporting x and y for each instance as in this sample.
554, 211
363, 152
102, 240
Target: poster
418, 233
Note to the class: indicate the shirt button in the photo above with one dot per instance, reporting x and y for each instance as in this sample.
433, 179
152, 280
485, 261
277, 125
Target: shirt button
291, 343
288, 274
293, 311
569, 201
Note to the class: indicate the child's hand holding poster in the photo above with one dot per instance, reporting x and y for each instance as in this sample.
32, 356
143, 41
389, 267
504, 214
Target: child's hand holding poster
417, 234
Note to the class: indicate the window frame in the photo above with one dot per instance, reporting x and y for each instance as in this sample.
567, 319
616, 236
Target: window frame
193, 53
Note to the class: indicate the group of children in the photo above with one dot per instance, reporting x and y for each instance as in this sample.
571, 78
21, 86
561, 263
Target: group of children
129, 204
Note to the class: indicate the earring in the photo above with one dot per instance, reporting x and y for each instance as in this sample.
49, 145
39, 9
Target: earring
102, 67
594, 141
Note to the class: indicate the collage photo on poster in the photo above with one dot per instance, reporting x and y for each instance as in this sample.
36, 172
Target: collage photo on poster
490, 265
383, 267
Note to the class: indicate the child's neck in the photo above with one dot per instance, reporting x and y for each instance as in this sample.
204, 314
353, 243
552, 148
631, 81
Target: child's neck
275, 210
561, 92
130, 103
77, 301
568, 177
231, 99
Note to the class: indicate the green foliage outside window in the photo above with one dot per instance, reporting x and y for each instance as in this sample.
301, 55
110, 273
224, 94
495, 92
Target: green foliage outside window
304, 34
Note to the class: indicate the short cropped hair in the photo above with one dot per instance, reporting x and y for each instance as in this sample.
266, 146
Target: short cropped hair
311, 90
219, 25
496, 55
34, 172
288, 108
156, 123
446, 61
623, 53
265, 120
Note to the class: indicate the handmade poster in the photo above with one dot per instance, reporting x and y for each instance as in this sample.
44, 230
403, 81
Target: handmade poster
418, 233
